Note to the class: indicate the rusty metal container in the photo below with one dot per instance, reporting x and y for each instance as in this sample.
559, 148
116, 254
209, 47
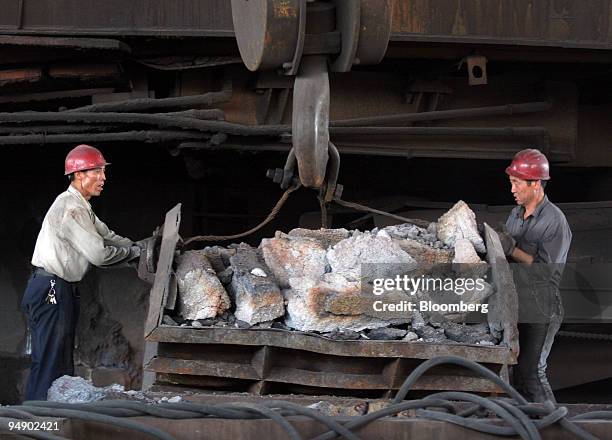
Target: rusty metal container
274, 361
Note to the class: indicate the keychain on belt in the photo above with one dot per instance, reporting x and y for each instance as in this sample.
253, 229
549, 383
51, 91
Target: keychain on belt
51, 295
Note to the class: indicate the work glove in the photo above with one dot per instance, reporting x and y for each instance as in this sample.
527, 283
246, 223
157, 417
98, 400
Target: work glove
132, 258
507, 241
142, 244
149, 250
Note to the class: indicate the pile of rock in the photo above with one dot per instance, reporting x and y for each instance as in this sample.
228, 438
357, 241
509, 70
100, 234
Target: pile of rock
321, 281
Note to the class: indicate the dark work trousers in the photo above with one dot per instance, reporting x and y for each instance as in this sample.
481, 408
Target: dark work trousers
535, 341
52, 328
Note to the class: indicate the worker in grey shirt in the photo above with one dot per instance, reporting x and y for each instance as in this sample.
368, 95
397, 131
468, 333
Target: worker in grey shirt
538, 236
71, 239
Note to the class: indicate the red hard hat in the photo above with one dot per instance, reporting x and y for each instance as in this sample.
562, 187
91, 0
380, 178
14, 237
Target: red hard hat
83, 157
529, 164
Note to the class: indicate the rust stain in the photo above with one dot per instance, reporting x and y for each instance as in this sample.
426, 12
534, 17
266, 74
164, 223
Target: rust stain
459, 25
19, 75
410, 16
285, 9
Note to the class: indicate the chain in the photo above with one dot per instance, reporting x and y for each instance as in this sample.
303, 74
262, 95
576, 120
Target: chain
268, 219
323, 205
358, 207
281, 202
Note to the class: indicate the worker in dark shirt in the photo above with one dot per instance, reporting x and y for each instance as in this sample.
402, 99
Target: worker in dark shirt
538, 237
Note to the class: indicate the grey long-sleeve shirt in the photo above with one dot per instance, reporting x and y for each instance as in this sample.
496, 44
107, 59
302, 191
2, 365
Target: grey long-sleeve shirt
545, 235
72, 237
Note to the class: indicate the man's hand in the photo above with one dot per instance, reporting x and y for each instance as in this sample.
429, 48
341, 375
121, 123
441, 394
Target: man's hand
132, 259
142, 244
149, 249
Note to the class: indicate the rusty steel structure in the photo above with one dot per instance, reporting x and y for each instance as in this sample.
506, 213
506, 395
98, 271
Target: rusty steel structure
433, 79
548, 23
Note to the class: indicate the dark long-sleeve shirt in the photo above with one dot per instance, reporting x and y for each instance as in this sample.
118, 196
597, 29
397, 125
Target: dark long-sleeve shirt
545, 235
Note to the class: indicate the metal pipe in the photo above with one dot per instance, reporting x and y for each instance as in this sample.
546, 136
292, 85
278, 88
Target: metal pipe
144, 104
442, 131
213, 113
165, 121
509, 109
57, 129
66, 129
148, 119
148, 136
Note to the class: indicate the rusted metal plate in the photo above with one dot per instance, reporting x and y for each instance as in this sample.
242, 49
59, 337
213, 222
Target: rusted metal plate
317, 344
567, 23
202, 368
284, 370
116, 17
186, 362
266, 31
375, 30
23, 75
85, 71
554, 23
64, 42
49, 96
159, 291
316, 384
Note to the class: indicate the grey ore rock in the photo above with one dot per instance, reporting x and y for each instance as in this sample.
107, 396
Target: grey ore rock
257, 298
200, 293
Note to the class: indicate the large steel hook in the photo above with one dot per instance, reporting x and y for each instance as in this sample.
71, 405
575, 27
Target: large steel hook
310, 124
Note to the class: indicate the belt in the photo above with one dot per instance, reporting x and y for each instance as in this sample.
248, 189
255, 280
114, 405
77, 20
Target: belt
42, 272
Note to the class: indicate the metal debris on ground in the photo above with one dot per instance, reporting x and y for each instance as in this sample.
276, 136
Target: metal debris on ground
70, 389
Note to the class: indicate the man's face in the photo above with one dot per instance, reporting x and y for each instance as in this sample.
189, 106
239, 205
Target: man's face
91, 182
523, 191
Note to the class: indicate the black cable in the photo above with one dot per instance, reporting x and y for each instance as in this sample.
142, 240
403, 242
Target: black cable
594, 415
477, 368
15, 413
570, 426
475, 425
529, 425
115, 412
210, 410
391, 410
146, 409
289, 429
316, 415
491, 406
